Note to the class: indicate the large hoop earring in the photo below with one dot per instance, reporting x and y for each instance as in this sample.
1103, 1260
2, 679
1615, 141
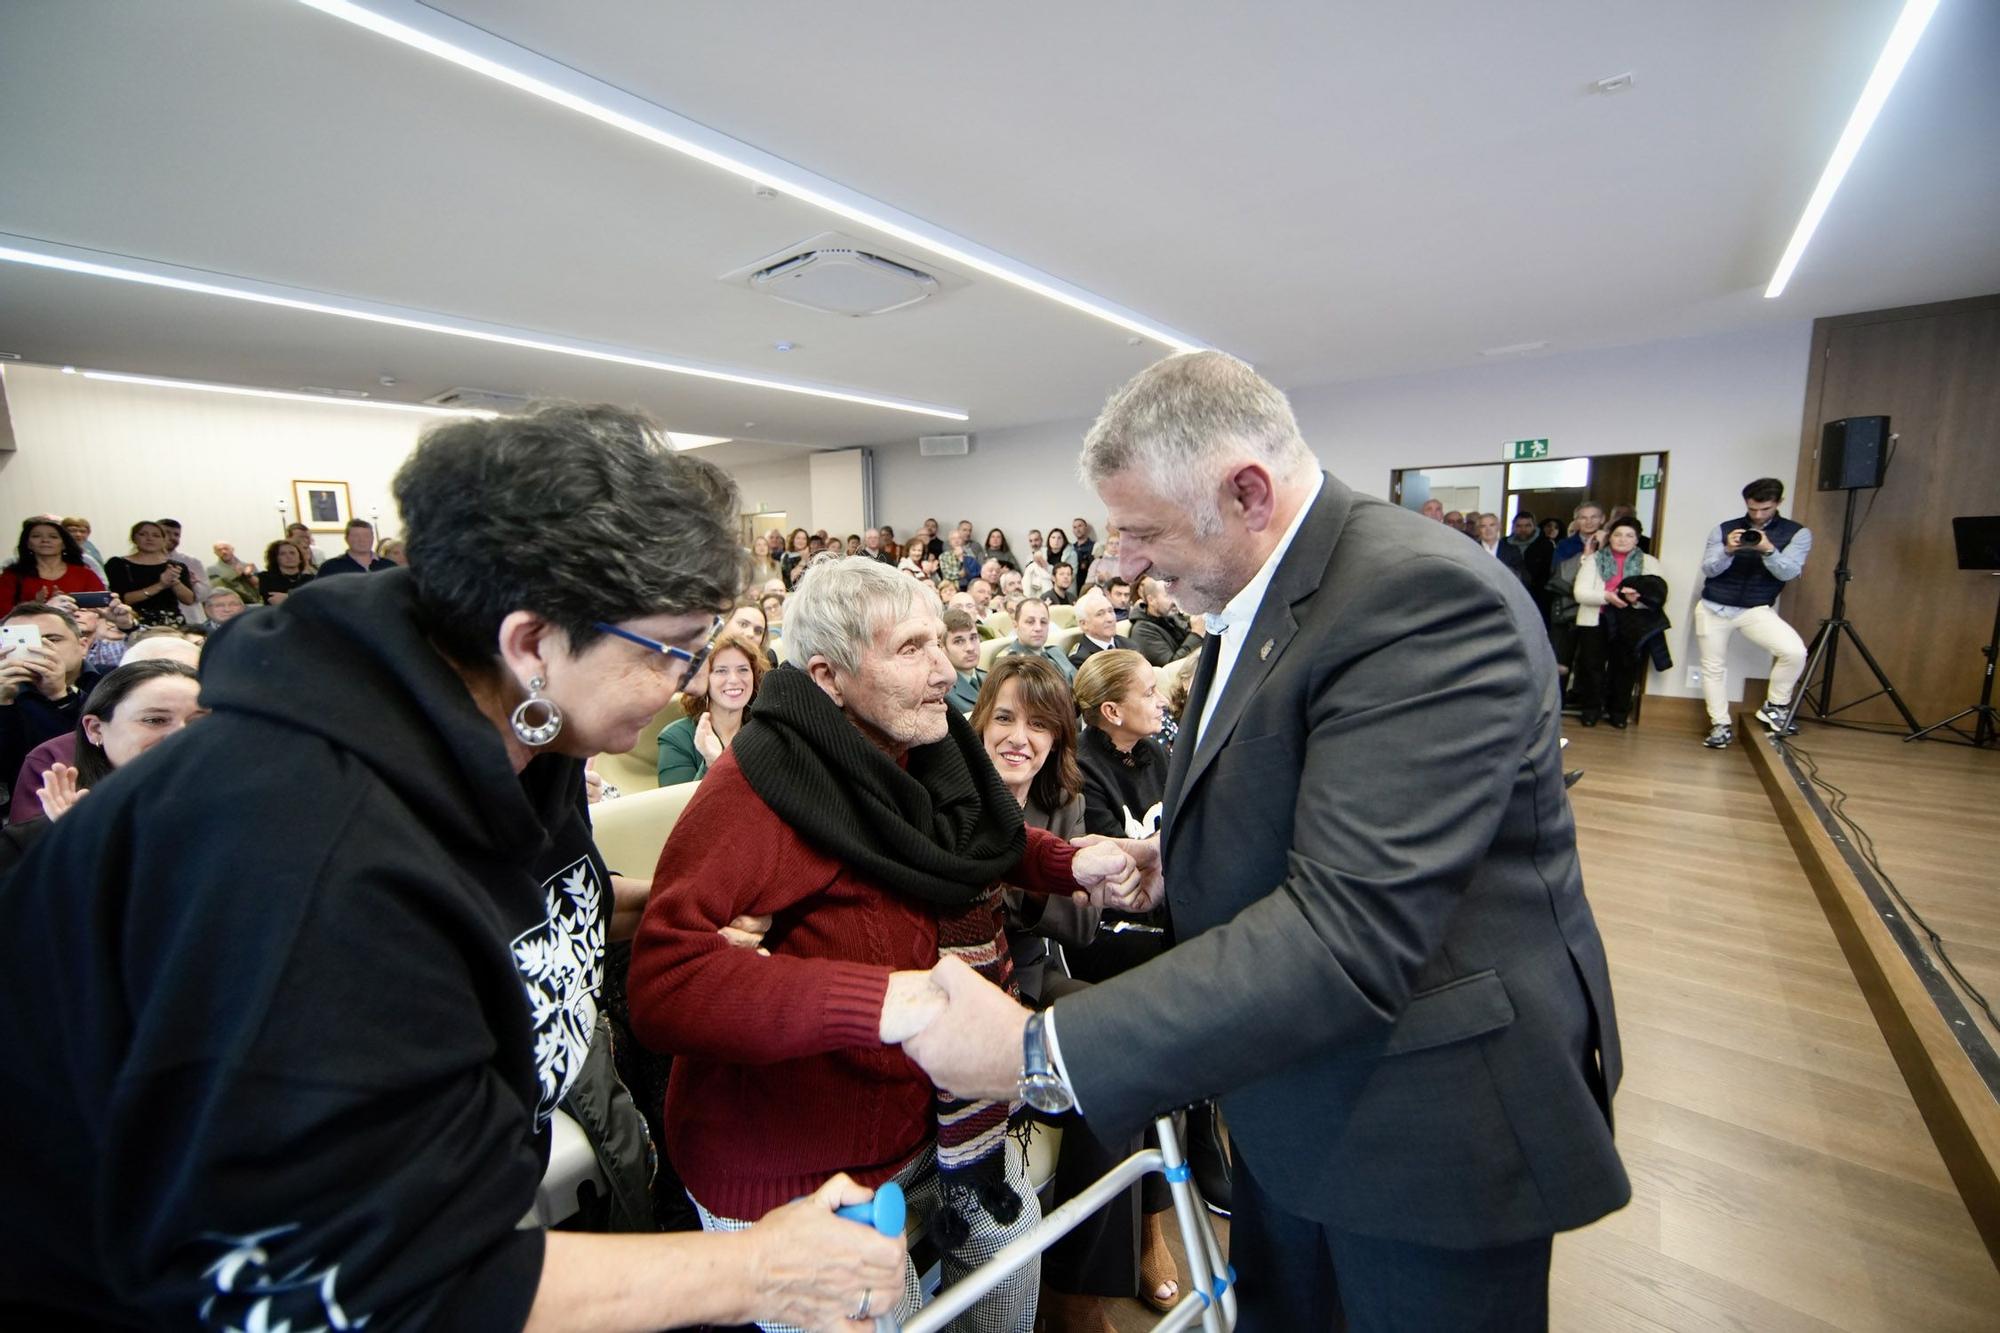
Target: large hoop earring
536, 733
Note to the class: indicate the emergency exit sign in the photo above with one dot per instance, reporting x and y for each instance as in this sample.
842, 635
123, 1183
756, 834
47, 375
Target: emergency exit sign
1520, 451
1649, 481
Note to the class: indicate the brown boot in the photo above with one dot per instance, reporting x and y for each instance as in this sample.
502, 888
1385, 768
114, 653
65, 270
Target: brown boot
1063, 1313
1157, 1271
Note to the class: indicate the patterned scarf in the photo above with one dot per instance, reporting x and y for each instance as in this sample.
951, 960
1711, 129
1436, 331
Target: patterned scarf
941, 828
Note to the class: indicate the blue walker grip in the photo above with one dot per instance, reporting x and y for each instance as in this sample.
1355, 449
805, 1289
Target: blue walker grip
886, 1212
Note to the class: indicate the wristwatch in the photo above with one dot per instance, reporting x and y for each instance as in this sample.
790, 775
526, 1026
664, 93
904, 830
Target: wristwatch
1041, 1087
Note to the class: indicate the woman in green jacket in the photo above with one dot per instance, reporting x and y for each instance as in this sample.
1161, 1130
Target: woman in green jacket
711, 719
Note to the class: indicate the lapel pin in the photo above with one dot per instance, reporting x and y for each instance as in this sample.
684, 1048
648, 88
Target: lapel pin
1264, 653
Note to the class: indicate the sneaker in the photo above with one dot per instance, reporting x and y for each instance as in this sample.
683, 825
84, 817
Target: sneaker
1719, 736
1773, 718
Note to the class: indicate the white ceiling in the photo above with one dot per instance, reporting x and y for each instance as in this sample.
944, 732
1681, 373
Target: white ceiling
1336, 191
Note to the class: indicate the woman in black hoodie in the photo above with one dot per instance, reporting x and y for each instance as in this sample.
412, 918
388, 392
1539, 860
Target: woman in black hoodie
269, 1061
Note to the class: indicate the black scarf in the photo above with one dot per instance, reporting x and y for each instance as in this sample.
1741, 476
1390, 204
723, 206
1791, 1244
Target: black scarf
942, 828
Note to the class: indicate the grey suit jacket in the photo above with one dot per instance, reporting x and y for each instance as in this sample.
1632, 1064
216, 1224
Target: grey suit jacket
1386, 967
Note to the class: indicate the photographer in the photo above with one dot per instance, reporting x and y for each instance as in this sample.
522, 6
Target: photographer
1748, 561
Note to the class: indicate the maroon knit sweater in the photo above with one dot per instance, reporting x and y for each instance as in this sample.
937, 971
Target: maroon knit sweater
780, 1079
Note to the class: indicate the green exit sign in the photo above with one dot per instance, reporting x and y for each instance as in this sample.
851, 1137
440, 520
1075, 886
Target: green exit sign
1520, 451
1649, 481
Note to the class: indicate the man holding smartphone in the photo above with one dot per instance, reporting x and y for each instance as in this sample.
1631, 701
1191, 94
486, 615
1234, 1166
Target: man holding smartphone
42, 681
1748, 561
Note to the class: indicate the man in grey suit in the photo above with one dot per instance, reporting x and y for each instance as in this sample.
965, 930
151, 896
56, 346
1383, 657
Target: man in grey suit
1386, 969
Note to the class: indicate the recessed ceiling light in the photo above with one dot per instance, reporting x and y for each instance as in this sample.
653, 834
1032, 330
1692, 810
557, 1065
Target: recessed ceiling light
784, 346
1896, 53
1512, 348
1617, 83
333, 397
426, 29
683, 442
10, 356
72, 259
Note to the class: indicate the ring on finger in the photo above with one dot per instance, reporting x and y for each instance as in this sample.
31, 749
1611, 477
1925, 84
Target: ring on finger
867, 1302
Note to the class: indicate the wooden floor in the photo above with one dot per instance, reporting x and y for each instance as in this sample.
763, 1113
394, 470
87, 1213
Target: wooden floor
1933, 812
1782, 1177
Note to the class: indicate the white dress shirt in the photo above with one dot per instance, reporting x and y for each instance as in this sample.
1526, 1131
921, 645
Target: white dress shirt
1237, 615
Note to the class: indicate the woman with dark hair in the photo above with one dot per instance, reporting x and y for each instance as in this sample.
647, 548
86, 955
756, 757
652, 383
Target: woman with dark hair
149, 581
131, 710
1060, 551
711, 718
1607, 669
285, 571
796, 550
347, 1022
996, 548
47, 563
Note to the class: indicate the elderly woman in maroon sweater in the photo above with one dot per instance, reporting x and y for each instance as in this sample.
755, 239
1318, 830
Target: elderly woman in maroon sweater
860, 812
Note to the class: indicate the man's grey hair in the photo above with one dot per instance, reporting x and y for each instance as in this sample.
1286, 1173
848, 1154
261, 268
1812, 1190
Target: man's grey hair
1181, 418
837, 611
218, 591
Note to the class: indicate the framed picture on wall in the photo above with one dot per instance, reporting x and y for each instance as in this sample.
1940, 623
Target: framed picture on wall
323, 506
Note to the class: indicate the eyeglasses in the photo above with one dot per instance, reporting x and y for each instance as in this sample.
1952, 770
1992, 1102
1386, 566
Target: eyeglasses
693, 659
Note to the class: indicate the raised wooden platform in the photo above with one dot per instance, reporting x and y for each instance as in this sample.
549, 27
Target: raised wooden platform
1932, 816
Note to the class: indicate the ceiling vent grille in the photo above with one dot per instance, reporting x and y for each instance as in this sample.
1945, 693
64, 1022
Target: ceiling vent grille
486, 400
838, 275
943, 446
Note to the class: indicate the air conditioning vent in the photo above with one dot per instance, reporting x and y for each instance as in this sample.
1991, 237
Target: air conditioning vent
839, 275
943, 446
487, 400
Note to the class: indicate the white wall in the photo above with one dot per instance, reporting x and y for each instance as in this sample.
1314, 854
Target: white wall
1726, 408
784, 486
839, 491
117, 453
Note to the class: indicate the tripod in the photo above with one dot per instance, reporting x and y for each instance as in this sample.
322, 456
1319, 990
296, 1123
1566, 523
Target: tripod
1984, 732
1826, 647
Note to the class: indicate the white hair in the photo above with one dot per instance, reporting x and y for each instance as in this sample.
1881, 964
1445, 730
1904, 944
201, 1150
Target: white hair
1181, 418
841, 606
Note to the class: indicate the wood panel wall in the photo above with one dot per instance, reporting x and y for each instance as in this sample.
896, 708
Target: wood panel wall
1935, 372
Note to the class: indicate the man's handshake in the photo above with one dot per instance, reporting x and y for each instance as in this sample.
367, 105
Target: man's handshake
1120, 873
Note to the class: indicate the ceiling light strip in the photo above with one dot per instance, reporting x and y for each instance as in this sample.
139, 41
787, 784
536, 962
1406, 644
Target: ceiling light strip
1902, 43
425, 29
245, 391
72, 259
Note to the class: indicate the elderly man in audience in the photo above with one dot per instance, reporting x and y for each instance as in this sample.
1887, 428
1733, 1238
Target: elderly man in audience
243, 1131
1099, 624
982, 596
860, 810
237, 575
223, 605
1159, 629
1031, 637
104, 630
1010, 583
961, 646
42, 680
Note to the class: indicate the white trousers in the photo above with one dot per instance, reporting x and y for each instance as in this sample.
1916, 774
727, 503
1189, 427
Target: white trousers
1763, 626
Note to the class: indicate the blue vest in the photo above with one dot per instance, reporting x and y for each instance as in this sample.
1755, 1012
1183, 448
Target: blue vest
1746, 582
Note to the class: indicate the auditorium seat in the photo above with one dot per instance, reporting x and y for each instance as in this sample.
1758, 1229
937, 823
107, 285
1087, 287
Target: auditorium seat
1164, 677
1000, 623
631, 830
1063, 616
991, 649
1066, 637
572, 1165
638, 769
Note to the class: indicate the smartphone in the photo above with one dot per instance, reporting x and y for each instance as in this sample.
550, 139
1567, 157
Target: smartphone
13, 637
96, 600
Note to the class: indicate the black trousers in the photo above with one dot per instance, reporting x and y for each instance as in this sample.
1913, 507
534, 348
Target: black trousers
1295, 1275
1605, 673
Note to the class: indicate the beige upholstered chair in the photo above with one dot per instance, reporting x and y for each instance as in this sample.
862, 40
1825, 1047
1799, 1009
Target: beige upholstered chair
1062, 616
631, 830
990, 651
638, 769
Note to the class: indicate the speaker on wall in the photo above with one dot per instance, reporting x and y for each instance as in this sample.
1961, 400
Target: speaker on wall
1853, 453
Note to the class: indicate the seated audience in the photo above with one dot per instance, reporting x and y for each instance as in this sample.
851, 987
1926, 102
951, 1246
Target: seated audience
692, 743
106, 632
223, 605
1159, 630
1084, 549
1010, 582
285, 569
152, 584
1062, 585
928, 541
1059, 550
79, 529
360, 556
952, 563
252, 1132
994, 549
1120, 593
797, 548
1098, 623
47, 563
153, 645
773, 605
1105, 567
1605, 672
1031, 638
42, 684
961, 647
982, 596
128, 713
861, 812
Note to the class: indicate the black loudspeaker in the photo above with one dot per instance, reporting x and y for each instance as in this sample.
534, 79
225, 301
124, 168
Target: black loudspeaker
1853, 453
